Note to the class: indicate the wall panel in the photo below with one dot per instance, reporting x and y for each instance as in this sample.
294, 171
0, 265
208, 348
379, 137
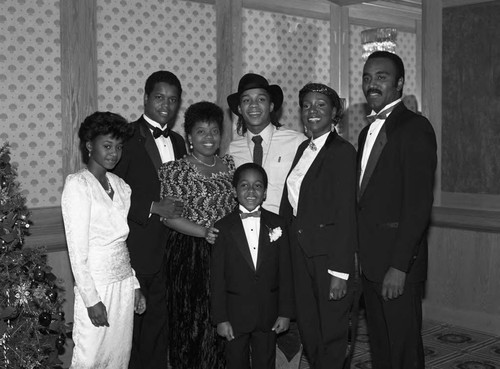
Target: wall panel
136, 38
30, 96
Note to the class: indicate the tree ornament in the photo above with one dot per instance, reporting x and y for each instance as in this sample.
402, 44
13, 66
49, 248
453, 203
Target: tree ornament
52, 295
44, 319
60, 341
39, 275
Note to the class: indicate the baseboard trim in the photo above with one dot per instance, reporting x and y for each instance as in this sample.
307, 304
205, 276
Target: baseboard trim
480, 321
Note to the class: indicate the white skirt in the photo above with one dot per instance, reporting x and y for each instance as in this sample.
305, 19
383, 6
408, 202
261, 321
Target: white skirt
105, 347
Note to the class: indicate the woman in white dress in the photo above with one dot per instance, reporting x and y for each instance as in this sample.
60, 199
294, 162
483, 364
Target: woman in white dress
95, 204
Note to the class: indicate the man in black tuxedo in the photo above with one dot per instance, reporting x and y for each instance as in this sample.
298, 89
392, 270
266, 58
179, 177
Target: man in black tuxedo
152, 144
396, 165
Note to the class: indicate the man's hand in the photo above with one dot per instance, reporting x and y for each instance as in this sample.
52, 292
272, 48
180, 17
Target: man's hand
338, 288
169, 208
393, 284
139, 302
98, 315
281, 325
225, 330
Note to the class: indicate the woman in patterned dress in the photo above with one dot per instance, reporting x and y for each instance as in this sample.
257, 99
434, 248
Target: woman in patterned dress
202, 180
94, 206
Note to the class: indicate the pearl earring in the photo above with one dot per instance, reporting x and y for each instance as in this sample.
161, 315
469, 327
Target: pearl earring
191, 146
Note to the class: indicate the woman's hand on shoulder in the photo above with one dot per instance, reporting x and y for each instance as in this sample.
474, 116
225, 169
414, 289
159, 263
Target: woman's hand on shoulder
98, 315
211, 235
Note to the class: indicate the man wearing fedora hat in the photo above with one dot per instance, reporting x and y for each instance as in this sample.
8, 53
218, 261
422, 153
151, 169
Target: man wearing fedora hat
261, 139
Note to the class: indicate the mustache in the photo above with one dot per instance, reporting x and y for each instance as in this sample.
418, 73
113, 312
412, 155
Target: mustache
374, 90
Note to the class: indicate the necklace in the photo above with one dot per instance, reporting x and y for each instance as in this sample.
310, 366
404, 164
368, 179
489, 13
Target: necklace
202, 162
110, 189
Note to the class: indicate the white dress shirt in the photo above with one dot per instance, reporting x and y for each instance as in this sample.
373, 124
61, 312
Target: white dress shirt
279, 146
164, 144
373, 132
297, 175
251, 225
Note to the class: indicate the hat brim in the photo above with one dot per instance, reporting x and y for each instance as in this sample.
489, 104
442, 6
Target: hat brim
274, 91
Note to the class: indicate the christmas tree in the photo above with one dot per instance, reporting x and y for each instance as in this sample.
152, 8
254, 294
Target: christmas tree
32, 328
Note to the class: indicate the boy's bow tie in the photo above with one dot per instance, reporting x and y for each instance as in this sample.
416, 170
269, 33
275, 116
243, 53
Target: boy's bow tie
255, 214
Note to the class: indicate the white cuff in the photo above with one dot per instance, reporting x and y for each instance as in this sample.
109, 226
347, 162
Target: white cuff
344, 276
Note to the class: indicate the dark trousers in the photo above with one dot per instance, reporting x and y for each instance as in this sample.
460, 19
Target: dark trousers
262, 346
149, 342
394, 327
323, 323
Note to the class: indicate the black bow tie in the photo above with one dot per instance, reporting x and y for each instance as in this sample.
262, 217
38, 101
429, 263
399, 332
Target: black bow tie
382, 115
254, 214
157, 132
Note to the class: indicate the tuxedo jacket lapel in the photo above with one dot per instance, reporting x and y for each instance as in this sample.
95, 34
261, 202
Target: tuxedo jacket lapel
150, 145
263, 240
378, 146
240, 238
315, 168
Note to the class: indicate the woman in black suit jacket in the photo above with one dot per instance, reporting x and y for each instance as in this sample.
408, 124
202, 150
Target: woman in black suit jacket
319, 205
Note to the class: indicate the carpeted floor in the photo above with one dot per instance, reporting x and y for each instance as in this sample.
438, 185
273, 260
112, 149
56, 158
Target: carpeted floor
446, 347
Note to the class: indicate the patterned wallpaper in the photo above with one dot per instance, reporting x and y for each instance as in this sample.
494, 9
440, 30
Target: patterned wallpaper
357, 111
289, 51
30, 100
136, 38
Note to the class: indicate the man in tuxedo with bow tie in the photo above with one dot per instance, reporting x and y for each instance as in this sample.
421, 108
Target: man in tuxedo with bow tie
396, 165
152, 144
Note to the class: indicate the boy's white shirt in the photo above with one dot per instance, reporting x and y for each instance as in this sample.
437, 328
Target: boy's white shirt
251, 225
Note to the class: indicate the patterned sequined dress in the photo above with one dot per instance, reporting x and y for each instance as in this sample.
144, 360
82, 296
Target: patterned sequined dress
193, 341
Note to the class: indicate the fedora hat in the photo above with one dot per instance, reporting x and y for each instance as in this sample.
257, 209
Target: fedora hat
249, 81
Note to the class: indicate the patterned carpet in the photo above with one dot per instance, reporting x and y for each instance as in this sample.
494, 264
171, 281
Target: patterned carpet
446, 347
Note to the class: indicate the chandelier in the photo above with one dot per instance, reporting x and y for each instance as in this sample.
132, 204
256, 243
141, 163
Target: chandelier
378, 39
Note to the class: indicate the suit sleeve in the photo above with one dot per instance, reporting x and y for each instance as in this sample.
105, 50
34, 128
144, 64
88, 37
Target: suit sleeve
286, 297
217, 280
341, 252
418, 160
76, 207
141, 198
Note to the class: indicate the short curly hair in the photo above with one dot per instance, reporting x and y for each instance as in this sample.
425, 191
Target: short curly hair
102, 123
246, 167
328, 92
162, 76
202, 111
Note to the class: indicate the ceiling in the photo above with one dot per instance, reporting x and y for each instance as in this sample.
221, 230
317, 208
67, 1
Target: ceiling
412, 3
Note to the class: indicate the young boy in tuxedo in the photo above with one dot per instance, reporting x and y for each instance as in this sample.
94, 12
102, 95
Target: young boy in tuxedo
251, 276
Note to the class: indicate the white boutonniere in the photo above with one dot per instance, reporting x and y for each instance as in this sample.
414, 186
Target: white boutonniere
275, 233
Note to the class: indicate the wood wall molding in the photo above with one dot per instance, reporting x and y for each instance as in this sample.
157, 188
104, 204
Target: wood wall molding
47, 229
464, 278
299, 8
450, 3
78, 74
474, 320
228, 41
432, 41
466, 219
